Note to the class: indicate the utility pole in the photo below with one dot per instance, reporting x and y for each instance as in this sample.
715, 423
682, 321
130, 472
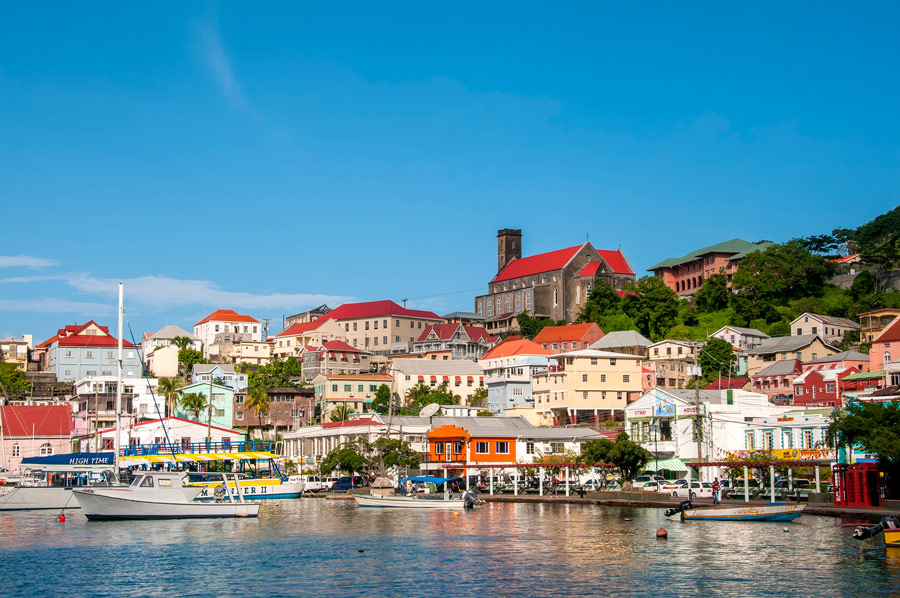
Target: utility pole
698, 422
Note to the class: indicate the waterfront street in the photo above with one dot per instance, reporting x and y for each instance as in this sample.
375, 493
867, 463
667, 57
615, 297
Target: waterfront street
313, 547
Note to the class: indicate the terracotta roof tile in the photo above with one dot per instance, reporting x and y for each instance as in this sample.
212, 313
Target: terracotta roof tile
518, 346
226, 315
572, 332
372, 309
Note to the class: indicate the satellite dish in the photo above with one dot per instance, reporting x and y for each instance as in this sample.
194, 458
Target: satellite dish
429, 410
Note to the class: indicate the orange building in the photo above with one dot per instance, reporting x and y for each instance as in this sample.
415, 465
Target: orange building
569, 338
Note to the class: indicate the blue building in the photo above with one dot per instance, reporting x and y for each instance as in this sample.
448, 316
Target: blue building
80, 351
222, 404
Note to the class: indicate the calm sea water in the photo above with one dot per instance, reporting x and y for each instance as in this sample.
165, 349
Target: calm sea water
311, 547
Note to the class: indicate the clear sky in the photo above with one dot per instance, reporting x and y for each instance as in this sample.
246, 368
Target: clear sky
272, 157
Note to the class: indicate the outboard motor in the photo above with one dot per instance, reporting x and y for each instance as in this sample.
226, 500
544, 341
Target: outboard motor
888, 522
470, 499
683, 506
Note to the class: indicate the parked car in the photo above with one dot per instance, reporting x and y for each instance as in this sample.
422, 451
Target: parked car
349, 482
311, 483
797, 483
697, 490
328, 482
651, 486
670, 487
639, 481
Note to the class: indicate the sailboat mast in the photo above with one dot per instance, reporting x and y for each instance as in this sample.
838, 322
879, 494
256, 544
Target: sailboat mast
118, 439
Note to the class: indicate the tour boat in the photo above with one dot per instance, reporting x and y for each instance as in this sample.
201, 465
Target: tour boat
163, 495
766, 512
47, 482
409, 502
256, 488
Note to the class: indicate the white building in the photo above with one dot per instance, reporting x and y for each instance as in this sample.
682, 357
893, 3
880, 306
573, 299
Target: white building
734, 422
742, 338
830, 329
164, 338
180, 431
463, 377
226, 327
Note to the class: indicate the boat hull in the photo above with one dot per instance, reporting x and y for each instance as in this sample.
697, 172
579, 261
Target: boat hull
260, 489
406, 502
100, 507
770, 512
25, 498
892, 538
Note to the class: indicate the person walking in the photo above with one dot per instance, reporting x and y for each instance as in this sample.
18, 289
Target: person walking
715, 489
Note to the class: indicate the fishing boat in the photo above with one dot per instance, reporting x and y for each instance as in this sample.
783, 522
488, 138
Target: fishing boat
47, 482
765, 512
889, 526
162, 495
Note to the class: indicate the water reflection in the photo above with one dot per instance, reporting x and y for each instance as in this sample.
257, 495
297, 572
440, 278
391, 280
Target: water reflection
312, 546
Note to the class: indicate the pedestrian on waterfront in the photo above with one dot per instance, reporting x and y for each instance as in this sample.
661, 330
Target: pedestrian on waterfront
715, 488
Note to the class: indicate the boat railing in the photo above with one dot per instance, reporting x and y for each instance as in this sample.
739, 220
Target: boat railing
186, 448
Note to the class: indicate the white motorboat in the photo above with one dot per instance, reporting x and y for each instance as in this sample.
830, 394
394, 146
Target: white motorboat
48, 481
409, 502
163, 495
766, 512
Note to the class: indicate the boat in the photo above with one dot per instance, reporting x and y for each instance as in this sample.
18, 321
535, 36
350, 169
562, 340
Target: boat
47, 482
241, 458
162, 495
766, 512
889, 526
467, 499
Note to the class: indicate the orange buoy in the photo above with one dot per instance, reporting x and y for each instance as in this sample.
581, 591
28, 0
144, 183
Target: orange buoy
456, 514
662, 534
62, 518
628, 519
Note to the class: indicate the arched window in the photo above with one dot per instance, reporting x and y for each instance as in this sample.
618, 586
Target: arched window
577, 294
508, 303
555, 297
46, 449
518, 302
16, 450
527, 300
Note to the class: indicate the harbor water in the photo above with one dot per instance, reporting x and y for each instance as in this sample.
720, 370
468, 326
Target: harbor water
334, 548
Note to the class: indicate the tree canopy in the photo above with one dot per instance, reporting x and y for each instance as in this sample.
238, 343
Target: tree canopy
628, 456
370, 458
420, 395
188, 357
717, 359
195, 402
259, 402
278, 372
875, 428
382, 401
13, 380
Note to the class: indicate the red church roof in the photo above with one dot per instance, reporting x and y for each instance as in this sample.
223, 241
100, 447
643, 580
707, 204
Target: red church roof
226, 315
555, 260
375, 309
37, 420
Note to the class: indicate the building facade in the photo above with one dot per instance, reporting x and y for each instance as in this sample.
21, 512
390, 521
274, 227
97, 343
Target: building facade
508, 370
375, 326
34, 431
685, 275
78, 352
568, 338
226, 327
291, 341
334, 357
462, 342
807, 347
831, 329
355, 391
463, 377
742, 338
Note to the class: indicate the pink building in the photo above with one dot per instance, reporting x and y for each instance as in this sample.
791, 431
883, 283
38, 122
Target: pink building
34, 431
885, 347
686, 274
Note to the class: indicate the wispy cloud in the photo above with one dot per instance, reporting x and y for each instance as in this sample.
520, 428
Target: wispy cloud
162, 292
212, 50
25, 261
54, 305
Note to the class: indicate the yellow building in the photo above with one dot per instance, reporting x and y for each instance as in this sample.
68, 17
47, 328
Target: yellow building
804, 347
586, 386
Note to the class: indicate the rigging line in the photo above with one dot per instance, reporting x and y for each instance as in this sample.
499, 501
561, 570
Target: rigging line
149, 387
444, 294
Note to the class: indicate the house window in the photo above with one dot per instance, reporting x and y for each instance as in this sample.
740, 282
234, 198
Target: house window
502, 448
612, 362
348, 388
626, 378
593, 361
457, 447
359, 387
439, 448
602, 377
334, 387
787, 440
584, 377
518, 302
577, 294
89, 354
384, 324
46, 449
529, 448
768, 443
16, 450
807, 440
584, 395
508, 303
376, 324
481, 448
749, 438
527, 300
367, 325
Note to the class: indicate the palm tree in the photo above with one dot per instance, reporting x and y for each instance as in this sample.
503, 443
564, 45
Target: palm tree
194, 401
182, 342
259, 401
415, 394
340, 413
168, 388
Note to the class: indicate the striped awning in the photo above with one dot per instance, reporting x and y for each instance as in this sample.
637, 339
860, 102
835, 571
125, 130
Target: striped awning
670, 464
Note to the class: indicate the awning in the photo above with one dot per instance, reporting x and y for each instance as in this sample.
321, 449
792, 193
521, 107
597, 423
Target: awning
434, 378
469, 378
670, 464
331, 355
344, 356
446, 378
457, 378
421, 378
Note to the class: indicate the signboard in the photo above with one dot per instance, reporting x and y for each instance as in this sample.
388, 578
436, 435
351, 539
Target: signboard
640, 413
801, 455
689, 410
664, 410
72, 459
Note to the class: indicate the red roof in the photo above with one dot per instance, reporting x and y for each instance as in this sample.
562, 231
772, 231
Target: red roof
572, 332
535, 264
446, 331
300, 328
39, 420
890, 334
374, 309
351, 422
71, 330
517, 346
340, 346
86, 340
726, 384
226, 315
556, 260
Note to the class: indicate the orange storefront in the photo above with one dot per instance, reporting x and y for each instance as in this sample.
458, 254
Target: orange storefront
454, 447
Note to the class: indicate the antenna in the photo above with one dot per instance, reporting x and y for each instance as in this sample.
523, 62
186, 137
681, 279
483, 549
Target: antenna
404, 303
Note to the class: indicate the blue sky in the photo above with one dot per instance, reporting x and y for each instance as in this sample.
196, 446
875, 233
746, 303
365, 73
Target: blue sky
272, 158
